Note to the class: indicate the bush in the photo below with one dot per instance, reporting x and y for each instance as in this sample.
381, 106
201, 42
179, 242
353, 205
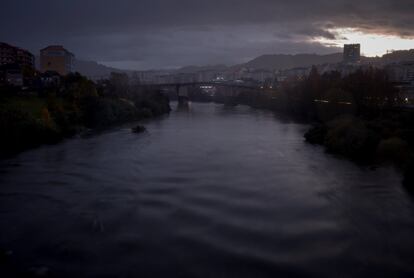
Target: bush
316, 135
408, 180
100, 112
393, 150
20, 130
155, 102
350, 137
66, 116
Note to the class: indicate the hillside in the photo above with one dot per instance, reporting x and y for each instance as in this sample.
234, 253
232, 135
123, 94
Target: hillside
398, 56
190, 69
94, 70
282, 61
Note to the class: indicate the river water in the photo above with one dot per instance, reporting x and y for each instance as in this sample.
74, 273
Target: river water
208, 191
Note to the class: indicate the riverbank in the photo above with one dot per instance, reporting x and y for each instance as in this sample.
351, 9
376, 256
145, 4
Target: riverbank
360, 116
386, 139
51, 115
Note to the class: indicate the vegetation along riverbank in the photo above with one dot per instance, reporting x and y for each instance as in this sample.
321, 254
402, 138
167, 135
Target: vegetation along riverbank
59, 107
360, 116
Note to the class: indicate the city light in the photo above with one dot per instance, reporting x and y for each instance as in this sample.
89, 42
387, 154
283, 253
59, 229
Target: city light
372, 44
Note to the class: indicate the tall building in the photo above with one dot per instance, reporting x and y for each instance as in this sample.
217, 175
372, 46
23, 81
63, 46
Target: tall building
352, 53
56, 58
14, 55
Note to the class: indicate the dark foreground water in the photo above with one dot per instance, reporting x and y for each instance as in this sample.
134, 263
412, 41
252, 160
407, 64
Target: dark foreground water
210, 192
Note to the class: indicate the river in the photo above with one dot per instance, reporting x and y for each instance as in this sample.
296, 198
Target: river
210, 191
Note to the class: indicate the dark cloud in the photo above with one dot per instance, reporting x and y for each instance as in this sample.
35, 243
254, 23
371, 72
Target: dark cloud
167, 33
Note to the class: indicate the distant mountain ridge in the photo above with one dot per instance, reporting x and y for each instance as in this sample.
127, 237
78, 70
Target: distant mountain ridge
399, 56
95, 70
190, 69
283, 61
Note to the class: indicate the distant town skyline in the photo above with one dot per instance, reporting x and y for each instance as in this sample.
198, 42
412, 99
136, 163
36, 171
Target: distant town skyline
156, 34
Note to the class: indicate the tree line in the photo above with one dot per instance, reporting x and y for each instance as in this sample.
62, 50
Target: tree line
72, 105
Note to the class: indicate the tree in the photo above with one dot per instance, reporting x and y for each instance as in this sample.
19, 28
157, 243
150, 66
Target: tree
119, 84
371, 90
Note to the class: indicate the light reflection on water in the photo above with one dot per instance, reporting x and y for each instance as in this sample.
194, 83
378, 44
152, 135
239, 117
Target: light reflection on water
210, 191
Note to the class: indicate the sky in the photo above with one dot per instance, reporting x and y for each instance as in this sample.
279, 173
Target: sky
155, 34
